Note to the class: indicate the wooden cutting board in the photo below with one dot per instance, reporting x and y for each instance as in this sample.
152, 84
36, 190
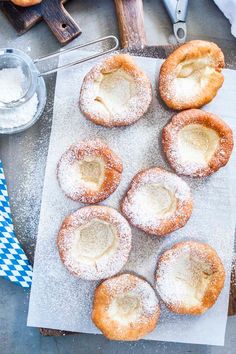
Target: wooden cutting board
51, 11
133, 40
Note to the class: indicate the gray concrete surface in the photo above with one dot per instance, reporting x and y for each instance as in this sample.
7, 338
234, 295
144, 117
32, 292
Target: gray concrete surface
24, 161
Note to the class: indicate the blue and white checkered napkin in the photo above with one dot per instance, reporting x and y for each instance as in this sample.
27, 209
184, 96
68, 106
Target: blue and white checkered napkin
14, 264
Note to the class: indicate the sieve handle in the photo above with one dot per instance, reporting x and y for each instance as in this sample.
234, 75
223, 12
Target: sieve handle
96, 55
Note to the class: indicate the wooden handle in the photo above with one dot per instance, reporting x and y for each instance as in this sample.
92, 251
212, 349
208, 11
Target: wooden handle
21, 18
131, 23
232, 297
59, 21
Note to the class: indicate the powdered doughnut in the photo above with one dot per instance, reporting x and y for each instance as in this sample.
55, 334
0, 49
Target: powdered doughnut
157, 202
197, 143
25, 3
89, 171
191, 76
115, 92
190, 277
125, 307
94, 242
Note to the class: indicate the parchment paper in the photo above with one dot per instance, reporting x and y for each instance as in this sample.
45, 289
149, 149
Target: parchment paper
59, 300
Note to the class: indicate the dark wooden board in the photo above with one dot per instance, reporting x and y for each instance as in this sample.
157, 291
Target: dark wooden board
51, 11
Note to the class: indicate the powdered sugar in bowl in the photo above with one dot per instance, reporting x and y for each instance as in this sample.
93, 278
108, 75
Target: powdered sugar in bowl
22, 88
23, 91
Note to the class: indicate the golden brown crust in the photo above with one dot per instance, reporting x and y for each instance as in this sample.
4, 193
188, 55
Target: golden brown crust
26, 3
112, 329
112, 176
209, 120
187, 52
207, 254
164, 226
107, 267
137, 107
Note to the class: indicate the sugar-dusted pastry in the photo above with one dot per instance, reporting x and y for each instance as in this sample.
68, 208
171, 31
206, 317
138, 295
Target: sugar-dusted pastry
125, 307
115, 92
157, 202
190, 277
191, 76
197, 143
25, 3
89, 171
94, 242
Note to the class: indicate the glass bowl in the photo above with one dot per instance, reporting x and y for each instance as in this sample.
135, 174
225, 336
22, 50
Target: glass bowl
33, 83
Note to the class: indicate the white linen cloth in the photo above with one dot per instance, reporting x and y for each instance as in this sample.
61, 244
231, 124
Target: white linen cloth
228, 7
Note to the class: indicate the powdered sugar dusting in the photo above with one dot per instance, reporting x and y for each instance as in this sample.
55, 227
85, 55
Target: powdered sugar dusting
197, 143
128, 285
168, 180
184, 81
19, 116
184, 274
83, 169
115, 252
181, 90
148, 208
62, 301
121, 100
11, 83
183, 167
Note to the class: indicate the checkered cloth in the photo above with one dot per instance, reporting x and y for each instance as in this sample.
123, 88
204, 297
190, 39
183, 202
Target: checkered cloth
14, 264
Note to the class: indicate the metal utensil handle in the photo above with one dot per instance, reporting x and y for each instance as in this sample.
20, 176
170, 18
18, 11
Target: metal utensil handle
96, 55
177, 9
